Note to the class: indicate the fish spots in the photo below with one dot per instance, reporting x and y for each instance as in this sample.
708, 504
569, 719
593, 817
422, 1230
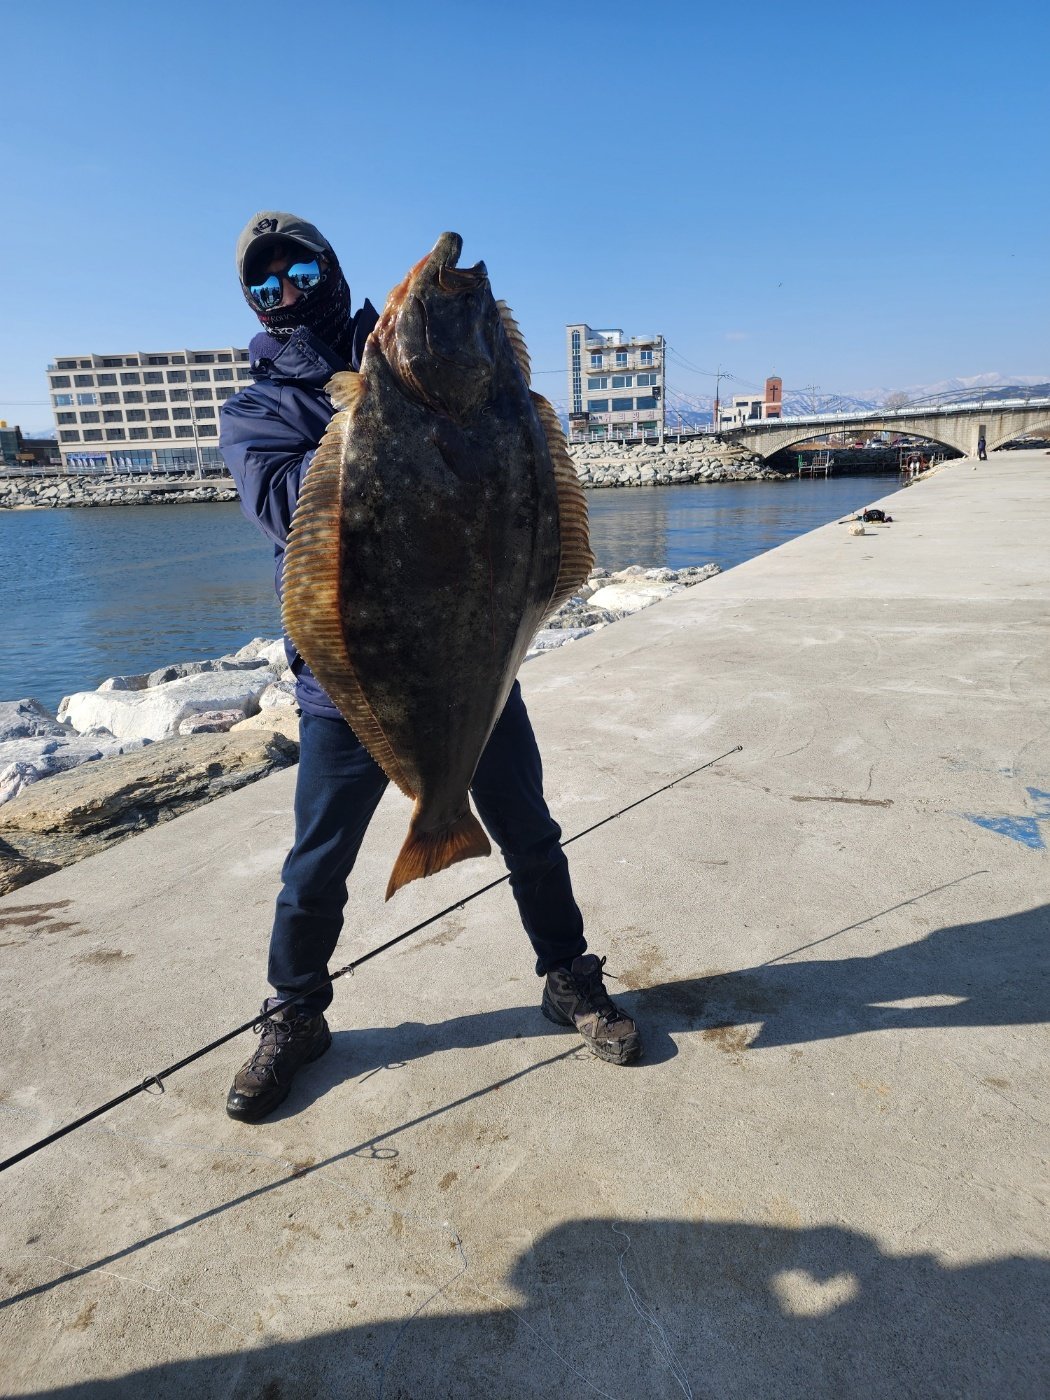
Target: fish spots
84, 1317
731, 1040
103, 957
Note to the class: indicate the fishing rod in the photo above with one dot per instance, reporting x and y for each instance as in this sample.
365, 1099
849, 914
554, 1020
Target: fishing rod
154, 1083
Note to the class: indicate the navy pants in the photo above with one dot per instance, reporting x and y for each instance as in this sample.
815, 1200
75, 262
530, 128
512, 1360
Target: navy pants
338, 789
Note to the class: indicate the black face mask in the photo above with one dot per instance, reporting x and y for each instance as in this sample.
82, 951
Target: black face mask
325, 311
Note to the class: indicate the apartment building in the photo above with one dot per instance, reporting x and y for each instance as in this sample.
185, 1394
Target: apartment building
616, 386
142, 411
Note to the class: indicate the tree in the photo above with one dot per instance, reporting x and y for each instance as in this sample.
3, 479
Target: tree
898, 399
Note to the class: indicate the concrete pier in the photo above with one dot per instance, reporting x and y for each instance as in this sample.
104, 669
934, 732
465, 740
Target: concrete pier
826, 1178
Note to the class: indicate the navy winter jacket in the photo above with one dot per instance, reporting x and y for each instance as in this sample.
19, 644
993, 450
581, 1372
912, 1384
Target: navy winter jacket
269, 433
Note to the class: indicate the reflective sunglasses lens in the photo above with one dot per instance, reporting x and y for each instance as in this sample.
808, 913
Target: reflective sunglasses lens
304, 275
267, 294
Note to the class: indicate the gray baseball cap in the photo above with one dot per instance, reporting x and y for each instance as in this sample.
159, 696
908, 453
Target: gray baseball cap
270, 226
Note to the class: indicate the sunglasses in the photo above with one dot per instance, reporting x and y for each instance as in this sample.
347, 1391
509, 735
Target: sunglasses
305, 276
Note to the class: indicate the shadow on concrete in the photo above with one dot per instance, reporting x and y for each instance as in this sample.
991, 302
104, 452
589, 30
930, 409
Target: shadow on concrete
663, 1309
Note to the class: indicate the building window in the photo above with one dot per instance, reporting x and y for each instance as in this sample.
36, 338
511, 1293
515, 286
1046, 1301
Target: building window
90, 418
645, 357
93, 435
621, 359
622, 405
204, 359
176, 376
623, 381
153, 376
62, 399
114, 434
596, 362
199, 376
161, 431
130, 379
67, 364
643, 379
597, 405
180, 413
158, 415
133, 396
65, 417
83, 381
224, 373
113, 416
205, 411
107, 379
178, 359
178, 395
225, 359
202, 394
157, 360
136, 415
598, 382
137, 434
156, 396
244, 372
84, 399
222, 394
645, 401
184, 430
60, 381
113, 362
109, 398
69, 436
207, 430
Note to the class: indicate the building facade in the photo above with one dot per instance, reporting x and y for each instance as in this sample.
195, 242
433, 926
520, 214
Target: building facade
141, 411
616, 386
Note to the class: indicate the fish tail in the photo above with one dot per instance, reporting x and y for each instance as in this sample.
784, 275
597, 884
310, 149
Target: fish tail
427, 852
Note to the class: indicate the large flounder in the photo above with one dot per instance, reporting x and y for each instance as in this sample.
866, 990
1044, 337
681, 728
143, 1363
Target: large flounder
440, 521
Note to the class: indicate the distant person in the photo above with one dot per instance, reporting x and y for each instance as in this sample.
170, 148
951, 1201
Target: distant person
982, 450
294, 283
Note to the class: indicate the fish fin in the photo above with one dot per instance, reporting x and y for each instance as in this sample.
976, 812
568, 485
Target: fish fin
345, 389
427, 852
517, 340
311, 613
576, 558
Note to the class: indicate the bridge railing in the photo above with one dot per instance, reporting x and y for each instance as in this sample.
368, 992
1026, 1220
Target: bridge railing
929, 411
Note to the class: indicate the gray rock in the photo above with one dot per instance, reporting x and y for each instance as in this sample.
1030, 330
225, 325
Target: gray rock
22, 719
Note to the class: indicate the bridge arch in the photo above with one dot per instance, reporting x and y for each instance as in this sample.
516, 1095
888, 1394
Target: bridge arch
812, 432
1037, 427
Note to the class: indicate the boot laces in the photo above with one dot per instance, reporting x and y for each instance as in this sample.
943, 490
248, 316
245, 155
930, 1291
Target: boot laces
273, 1037
591, 988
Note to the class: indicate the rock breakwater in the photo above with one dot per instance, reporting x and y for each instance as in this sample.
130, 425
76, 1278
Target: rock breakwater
67, 492
615, 464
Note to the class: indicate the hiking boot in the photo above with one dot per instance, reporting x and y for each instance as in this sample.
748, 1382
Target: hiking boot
288, 1040
577, 997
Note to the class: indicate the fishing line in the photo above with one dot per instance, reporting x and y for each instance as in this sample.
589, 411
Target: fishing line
154, 1083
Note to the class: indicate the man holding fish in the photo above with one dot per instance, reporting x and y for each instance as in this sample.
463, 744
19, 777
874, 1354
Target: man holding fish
425, 518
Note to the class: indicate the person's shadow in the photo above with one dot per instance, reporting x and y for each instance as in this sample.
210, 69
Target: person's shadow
993, 972
661, 1309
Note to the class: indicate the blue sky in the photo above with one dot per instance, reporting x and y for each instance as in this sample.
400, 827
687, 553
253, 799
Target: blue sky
855, 198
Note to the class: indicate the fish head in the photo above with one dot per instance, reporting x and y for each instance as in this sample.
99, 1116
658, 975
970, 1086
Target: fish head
440, 331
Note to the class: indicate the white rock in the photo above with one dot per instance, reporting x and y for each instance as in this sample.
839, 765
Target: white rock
158, 711
27, 760
124, 683
276, 697
211, 722
632, 597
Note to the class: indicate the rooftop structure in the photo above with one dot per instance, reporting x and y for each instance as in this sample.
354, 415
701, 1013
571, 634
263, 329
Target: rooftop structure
747, 408
143, 410
616, 386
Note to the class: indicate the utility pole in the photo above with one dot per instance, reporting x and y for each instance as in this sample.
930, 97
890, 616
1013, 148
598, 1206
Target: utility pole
717, 411
196, 439
663, 389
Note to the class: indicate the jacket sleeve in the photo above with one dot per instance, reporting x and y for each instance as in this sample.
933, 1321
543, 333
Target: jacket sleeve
267, 458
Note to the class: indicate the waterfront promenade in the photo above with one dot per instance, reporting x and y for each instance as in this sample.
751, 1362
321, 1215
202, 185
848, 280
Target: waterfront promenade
824, 1180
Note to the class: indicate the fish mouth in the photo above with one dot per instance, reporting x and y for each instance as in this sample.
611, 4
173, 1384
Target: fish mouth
444, 257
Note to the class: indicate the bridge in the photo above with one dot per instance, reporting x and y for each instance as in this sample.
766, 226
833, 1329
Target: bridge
956, 425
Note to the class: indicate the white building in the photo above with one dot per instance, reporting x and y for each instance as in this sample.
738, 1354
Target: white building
143, 411
746, 408
616, 386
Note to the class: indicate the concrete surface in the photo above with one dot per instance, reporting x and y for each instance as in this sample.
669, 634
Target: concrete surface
825, 1179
